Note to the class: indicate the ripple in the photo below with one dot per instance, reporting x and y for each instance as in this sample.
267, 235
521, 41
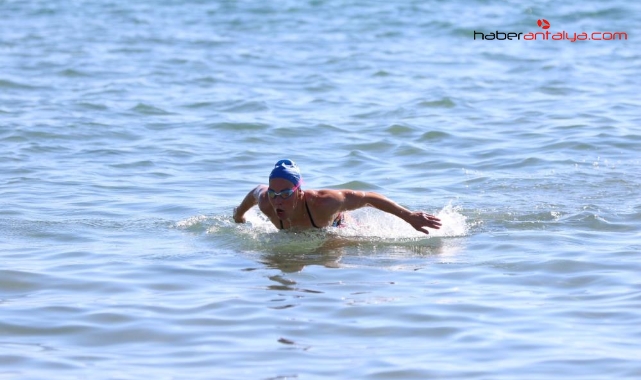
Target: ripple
234, 127
18, 282
409, 150
146, 109
441, 103
246, 106
9, 84
434, 136
73, 73
399, 130
370, 147
120, 255
356, 185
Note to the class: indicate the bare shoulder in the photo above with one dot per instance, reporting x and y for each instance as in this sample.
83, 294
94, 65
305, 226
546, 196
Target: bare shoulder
324, 195
260, 194
335, 200
321, 198
326, 192
341, 195
259, 190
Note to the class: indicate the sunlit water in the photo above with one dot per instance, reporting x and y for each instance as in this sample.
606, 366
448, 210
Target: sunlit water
130, 131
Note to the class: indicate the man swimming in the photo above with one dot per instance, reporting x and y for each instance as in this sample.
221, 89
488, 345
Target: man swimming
287, 206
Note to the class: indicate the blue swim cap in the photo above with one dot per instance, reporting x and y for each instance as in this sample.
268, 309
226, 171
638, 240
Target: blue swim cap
286, 169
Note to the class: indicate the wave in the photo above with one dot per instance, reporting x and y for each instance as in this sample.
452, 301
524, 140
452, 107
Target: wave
364, 227
370, 238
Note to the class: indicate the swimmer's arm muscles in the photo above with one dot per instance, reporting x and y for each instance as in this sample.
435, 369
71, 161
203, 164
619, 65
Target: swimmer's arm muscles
357, 199
419, 220
251, 200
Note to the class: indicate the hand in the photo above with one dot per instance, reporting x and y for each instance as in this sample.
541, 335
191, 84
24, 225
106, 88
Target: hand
238, 218
421, 220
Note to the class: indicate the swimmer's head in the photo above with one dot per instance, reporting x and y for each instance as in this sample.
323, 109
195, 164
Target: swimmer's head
286, 169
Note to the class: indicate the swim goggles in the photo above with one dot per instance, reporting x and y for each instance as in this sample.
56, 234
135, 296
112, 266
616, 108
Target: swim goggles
283, 193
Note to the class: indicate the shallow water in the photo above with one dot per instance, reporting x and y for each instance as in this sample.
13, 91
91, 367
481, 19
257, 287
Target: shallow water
130, 131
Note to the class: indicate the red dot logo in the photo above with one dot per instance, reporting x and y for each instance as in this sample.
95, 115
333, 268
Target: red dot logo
543, 23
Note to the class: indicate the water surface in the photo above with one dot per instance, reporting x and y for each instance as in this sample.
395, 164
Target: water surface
131, 130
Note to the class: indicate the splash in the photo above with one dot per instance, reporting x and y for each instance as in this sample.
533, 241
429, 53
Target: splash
370, 236
454, 223
364, 223
194, 223
373, 223
258, 232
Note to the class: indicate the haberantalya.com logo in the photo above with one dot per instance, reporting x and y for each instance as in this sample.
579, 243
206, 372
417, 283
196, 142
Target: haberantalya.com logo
547, 35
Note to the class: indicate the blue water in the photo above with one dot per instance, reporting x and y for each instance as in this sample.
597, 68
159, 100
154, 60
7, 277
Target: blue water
129, 131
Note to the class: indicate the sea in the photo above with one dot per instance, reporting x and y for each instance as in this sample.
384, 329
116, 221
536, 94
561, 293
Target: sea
129, 130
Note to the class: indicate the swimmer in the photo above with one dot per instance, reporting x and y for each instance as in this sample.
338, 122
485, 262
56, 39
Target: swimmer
287, 205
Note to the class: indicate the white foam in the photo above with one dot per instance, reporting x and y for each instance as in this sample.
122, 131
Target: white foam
374, 223
191, 222
367, 223
453, 222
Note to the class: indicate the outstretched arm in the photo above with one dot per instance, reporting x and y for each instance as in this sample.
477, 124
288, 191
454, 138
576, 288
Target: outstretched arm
251, 200
419, 220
